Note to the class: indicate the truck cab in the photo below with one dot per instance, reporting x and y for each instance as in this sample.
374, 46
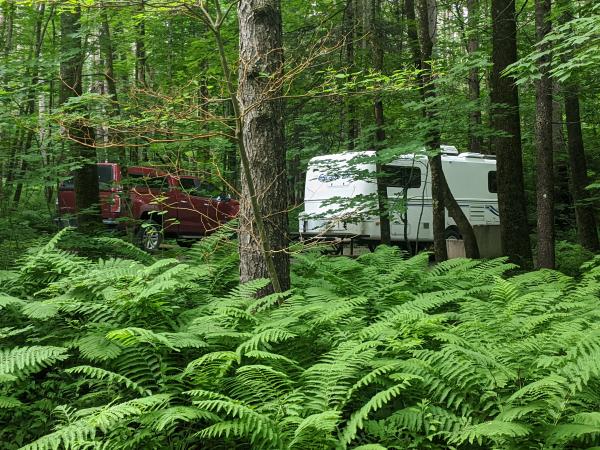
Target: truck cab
158, 202
111, 192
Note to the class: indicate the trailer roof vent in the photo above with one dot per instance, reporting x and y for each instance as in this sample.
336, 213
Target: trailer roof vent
449, 150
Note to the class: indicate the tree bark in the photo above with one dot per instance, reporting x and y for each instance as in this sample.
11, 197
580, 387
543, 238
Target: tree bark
30, 107
378, 54
514, 230
261, 66
441, 196
140, 46
475, 141
585, 218
81, 136
412, 33
108, 55
543, 134
564, 214
350, 33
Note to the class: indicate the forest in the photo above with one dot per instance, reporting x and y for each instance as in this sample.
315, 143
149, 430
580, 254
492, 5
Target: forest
171, 279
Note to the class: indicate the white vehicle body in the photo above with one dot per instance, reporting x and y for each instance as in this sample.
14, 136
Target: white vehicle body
330, 187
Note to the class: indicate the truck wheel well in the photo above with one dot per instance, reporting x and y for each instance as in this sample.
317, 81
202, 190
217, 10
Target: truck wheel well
148, 216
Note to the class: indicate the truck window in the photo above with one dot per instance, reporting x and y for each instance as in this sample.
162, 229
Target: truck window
142, 181
105, 177
492, 184
194, 186
402, 176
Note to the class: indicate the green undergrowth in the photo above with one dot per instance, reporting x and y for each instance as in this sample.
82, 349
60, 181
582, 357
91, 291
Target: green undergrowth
371, 353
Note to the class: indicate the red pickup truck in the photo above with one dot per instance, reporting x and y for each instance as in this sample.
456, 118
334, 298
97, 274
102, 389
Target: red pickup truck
160, 203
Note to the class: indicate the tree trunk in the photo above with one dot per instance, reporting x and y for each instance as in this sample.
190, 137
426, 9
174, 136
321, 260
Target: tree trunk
350, 33
140, 47
8, 11
412, 33
543, 134
433, 140
564, 214
108, 54
475, 141
30, 108
81, 136
378, 53
587, 232
261, 66
514, 230
441, 196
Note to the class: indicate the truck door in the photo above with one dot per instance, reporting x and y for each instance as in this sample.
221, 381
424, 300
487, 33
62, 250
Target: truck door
152, 193
197, 209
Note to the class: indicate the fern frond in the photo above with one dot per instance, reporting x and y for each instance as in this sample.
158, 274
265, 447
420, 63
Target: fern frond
314, 426
97, 373
166, 419
356, 421
268, 336
24, 360
41, 310
6, 300
494, 430
9, 402
96, 347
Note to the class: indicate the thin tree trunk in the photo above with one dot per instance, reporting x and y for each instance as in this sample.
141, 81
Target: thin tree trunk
378, 53
350, 33
441, 196
514, 230
261, 66
107, 52
40, 31
412, 33
81, 136
587, 231
475, 141
543, 132
433, 141
564, 213
140, 46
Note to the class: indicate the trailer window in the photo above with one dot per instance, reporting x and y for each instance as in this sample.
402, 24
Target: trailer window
402, 176
492, 184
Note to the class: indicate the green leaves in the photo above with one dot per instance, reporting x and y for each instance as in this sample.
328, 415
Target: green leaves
376, 352
20, 361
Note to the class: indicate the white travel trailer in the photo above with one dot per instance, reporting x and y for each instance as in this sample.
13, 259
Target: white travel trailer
338, 186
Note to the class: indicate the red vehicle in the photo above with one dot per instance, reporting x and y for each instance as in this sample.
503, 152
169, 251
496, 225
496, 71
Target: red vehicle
160, 203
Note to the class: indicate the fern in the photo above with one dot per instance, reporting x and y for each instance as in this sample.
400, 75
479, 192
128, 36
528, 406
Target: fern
356, 422
381, 351
99, 374
19, 361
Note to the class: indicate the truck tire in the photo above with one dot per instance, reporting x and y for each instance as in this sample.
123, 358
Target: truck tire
150, 236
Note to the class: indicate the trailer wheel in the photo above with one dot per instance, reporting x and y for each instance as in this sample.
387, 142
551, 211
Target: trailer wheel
452, 233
